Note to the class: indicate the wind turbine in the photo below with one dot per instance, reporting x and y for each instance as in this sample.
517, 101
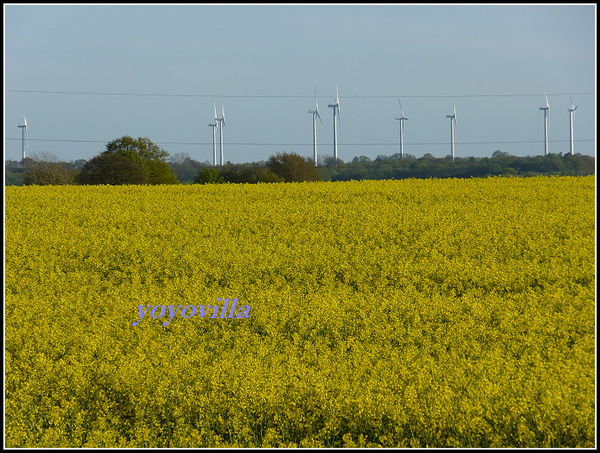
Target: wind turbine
336, 107
401, 119
23, 134
546, 114
452, 126
315, 113
571, 110
221, 124
215, 126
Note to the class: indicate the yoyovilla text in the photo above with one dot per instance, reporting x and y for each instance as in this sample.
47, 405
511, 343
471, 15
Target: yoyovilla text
190, 310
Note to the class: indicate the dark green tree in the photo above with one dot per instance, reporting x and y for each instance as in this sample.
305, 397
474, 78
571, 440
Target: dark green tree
150, 157
248, 173
209, 175
111, 168
78, 164
185, 167
293, 168
262, 174
580, 164
13, 173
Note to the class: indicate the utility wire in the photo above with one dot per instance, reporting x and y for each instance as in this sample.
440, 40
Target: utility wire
98, 93
310, 144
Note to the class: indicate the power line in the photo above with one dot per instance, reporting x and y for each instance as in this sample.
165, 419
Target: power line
58, 140
518, 142
292, 96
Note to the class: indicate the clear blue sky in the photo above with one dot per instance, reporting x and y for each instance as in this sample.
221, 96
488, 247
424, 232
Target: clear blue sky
261, 63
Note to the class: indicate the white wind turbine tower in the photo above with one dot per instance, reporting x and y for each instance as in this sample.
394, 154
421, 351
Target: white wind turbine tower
24, 134
335, 107
215, 126
546, 114
571, 111
221, 122
452, 126
401, 119
315, 113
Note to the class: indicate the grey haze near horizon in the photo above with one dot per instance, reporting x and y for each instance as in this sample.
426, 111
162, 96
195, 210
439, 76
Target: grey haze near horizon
261, 63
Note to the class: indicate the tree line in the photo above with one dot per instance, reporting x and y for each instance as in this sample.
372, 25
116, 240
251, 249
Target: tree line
139, 161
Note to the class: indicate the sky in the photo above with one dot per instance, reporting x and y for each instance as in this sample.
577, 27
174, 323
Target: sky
84, 75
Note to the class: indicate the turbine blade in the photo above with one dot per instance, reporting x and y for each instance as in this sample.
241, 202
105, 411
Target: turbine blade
26, 134
547, 105
223, 114
573, 107
453, 116
215, 106
337, 101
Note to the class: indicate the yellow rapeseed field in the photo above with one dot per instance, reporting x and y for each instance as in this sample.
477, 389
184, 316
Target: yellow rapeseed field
414, 313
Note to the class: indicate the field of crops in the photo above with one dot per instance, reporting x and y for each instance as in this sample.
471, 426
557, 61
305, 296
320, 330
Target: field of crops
414, 313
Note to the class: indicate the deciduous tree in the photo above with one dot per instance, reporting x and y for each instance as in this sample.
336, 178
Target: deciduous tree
46, 170
294, 168
111, 168
150, 157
